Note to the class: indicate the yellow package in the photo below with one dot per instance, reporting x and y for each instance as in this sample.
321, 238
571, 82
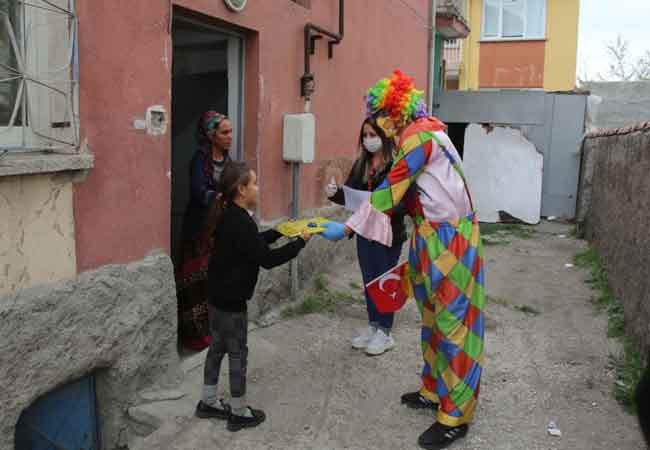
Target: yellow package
294, 228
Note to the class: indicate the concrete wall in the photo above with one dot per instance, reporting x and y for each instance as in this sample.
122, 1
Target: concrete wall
617, 217
623, 103
36, 230
125, 66
118, 322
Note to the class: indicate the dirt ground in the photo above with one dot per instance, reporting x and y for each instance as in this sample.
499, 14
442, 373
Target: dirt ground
547, 364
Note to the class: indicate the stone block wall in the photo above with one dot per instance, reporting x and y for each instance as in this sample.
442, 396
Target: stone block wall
319, 256
616, 214
118, 322
621, 103
274, 286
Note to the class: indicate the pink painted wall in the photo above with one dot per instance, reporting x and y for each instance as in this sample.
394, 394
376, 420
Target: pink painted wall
122, 210
380, 35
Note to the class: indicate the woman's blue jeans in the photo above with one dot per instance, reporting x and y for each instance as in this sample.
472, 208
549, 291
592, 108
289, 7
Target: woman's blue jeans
376, 259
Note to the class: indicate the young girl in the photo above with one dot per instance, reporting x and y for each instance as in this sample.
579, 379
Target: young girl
231, 281
375, 259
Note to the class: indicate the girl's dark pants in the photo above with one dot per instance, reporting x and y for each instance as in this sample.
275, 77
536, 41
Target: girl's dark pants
229, 331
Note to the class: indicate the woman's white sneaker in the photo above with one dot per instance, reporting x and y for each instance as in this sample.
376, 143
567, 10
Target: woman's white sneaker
361, 341
380, 343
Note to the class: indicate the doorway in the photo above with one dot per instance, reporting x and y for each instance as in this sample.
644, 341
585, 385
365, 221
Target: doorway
207, 73
456, 133
65, 418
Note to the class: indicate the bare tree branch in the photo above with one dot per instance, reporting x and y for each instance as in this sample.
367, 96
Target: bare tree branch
620, 67
643, 67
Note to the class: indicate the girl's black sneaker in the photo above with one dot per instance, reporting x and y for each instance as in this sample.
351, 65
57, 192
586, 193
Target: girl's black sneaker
440, 436
221, 410
414, 400
256, 417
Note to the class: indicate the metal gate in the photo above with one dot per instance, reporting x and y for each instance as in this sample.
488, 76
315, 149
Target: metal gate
65, 419
553, 122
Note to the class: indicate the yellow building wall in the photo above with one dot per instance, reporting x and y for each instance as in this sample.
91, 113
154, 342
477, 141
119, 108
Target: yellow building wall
468, 75
562, 17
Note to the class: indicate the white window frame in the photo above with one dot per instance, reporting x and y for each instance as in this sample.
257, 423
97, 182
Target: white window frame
34, 43
499, 36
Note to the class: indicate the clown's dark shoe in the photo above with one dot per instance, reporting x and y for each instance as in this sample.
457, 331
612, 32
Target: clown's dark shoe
415, 400
440, 436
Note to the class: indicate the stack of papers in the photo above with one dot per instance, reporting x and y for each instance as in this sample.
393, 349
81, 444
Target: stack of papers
354, 198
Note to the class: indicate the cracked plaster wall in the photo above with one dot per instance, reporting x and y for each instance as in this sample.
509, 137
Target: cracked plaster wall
36, 230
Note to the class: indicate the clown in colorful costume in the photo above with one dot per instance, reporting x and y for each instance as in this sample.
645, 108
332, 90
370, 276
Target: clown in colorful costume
445, 258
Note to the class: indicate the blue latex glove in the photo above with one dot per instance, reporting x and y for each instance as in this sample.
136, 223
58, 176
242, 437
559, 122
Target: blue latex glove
334, 231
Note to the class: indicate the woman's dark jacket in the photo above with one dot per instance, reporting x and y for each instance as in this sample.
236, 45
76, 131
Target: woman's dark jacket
203, 190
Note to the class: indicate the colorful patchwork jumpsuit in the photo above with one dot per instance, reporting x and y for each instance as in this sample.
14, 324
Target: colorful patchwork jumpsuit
445, 263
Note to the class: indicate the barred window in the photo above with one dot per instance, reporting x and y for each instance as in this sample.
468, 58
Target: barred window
38, 73
8, 69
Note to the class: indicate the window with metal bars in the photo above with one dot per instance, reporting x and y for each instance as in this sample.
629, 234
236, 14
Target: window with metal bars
9, 11
38, 73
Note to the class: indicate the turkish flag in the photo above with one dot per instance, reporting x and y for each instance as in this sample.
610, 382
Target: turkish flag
390, 291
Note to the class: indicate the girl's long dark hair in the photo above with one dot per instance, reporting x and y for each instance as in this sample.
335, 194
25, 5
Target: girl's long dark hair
363, 162
235, 174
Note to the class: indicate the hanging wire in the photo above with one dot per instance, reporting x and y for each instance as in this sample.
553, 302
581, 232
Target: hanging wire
416, 13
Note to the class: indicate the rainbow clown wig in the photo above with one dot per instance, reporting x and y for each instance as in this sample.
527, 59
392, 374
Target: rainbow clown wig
397, 98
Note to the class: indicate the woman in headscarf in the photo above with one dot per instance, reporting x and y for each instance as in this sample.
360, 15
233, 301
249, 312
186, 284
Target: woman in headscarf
214, 136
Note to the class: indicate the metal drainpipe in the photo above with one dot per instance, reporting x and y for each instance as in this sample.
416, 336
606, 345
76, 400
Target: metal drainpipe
311, 34
295, 212
432, 55
295, 198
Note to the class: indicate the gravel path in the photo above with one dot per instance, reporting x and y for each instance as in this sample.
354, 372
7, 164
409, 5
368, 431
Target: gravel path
547, 364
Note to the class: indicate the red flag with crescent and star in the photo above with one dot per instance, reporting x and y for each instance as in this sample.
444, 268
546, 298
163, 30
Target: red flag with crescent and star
390, 291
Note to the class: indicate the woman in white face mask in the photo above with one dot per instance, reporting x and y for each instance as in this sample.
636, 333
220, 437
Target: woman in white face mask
368, 171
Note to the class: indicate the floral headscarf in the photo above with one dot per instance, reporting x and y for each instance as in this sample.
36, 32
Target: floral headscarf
208, 123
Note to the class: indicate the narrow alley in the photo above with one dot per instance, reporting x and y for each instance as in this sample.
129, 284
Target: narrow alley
547, 360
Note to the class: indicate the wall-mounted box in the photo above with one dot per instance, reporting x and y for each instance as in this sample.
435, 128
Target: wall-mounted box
299, 138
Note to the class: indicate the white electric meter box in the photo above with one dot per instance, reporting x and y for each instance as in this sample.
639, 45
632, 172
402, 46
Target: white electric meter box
299, 138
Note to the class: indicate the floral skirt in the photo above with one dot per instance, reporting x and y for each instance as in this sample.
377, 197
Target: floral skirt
192, 293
